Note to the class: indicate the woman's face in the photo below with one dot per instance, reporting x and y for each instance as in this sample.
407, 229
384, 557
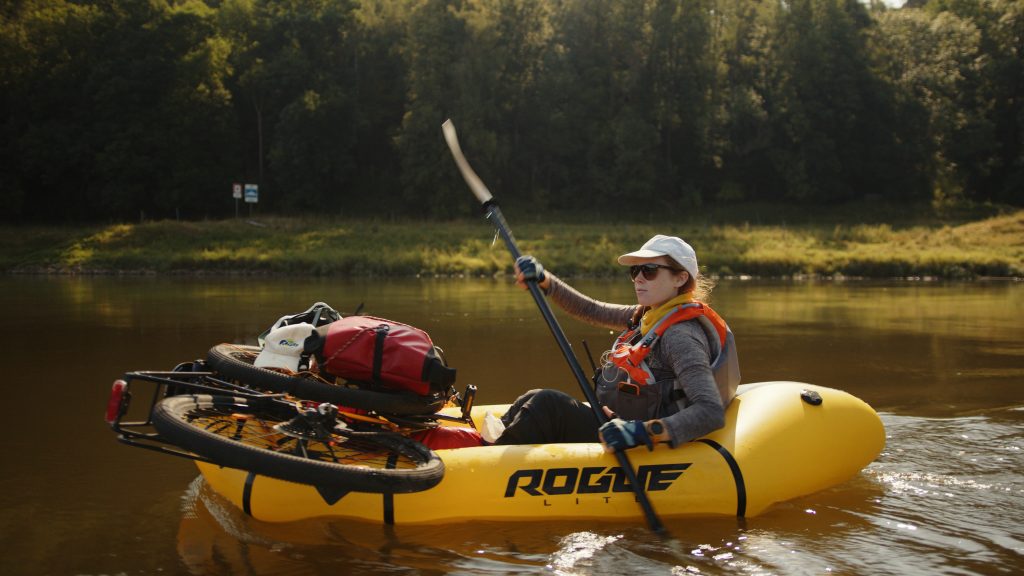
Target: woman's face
663, 287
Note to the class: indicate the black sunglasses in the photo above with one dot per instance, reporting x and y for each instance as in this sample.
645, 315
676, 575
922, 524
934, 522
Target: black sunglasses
649, 270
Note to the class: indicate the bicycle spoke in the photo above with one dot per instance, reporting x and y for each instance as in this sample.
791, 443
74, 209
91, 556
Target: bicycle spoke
295, 443
259, 432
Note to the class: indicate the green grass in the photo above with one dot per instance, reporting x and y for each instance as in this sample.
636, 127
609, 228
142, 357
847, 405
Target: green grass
828, 245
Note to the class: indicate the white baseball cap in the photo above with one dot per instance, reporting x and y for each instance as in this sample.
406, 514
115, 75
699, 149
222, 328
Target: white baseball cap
283, 347
660, 245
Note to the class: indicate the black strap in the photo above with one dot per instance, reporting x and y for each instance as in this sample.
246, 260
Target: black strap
312, 346
303, 363
737, 476
378, 351
436, 373
389, 498
247, 493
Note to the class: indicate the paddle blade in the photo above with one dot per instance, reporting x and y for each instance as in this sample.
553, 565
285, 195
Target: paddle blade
472, 180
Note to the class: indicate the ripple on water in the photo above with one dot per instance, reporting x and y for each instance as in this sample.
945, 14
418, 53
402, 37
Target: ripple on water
953, 489
578, 549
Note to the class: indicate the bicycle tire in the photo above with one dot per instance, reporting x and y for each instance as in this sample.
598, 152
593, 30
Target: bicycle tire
235, 362
240, 433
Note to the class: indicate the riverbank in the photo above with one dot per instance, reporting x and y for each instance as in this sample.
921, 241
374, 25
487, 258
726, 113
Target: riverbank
990, 246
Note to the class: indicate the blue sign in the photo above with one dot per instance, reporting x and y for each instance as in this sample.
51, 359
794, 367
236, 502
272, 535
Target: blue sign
252, 193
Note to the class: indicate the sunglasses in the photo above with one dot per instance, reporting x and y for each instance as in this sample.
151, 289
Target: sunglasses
649, 270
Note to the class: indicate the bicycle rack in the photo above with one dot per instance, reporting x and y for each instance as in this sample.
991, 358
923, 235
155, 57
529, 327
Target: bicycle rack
193, 378
184, 379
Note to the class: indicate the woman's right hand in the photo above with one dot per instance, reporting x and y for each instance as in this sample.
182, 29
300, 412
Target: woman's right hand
528, 268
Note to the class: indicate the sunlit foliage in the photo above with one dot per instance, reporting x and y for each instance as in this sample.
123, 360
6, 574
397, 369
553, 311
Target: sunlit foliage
128, 110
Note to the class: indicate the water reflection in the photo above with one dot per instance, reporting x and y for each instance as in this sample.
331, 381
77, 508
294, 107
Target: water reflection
943, 362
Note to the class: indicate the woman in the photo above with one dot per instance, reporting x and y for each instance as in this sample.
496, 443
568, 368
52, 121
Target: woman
667, 378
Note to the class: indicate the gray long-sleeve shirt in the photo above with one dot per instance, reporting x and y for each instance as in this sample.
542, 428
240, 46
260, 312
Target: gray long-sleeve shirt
683, 351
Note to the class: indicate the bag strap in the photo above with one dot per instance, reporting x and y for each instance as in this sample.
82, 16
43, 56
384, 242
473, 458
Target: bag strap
436, 372
318, 314
382, 331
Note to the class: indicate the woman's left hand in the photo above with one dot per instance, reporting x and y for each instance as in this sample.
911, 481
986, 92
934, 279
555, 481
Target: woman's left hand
528, 268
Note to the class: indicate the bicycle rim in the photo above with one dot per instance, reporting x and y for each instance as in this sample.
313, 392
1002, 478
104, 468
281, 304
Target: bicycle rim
242, 433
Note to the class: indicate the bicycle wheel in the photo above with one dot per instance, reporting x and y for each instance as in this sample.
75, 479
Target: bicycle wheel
266, 436
235, 362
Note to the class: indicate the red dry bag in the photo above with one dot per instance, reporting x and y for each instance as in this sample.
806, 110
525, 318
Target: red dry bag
381, 352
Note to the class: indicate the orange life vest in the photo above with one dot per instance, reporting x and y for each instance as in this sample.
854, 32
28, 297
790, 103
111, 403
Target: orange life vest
630, 354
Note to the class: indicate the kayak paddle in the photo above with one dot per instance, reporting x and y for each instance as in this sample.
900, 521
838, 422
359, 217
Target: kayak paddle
494, 214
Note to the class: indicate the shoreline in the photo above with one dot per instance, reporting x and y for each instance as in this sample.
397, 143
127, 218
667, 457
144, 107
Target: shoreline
97, 273
982, 248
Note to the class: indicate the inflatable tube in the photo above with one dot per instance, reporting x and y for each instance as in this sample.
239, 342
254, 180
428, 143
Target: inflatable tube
781, 440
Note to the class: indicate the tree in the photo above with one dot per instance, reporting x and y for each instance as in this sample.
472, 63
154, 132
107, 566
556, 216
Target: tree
743, 129
436, 43
828, 111
312, 71
46, 146
498, 80
122, 107
681, 72
932, 62
379, 93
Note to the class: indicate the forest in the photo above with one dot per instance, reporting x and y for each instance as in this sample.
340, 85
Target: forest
129, 110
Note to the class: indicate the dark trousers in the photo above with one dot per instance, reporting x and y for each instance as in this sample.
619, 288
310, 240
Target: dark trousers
546, 416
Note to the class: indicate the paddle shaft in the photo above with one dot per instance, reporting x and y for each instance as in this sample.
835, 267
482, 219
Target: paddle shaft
494, 214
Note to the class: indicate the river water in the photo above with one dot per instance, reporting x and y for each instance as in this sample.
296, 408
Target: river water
943, 363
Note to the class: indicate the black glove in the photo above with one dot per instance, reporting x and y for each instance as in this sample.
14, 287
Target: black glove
618, 434
530, 268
